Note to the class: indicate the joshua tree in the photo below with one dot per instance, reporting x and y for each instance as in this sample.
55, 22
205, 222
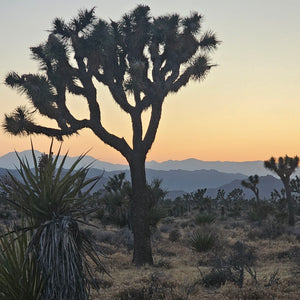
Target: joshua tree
284, 168
251, 184
139, 56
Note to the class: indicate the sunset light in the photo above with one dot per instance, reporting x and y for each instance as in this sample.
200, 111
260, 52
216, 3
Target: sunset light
246, 109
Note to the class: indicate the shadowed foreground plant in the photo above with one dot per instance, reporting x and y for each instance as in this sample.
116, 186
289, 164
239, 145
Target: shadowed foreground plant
20, 276
48, 198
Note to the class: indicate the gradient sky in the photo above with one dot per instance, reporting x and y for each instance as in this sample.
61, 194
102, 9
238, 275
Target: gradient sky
246, 109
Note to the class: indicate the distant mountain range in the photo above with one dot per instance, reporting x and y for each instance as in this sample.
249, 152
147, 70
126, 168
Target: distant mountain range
9, 161
178, 177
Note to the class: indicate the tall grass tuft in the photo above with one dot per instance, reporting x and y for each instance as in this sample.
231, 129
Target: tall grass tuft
202, 241
20, 276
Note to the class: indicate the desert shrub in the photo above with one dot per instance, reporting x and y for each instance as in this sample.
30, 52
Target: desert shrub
260, 211
123, 238
232, 267
174, 235
240, 260
203, 219
202, 241
255, 291
270, 229
216, 277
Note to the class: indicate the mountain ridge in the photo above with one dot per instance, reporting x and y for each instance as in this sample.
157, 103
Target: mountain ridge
248, 168
178, 182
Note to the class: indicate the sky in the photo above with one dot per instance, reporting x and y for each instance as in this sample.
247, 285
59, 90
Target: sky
246, 109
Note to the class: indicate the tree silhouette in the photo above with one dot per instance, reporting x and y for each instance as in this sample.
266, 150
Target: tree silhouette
251, 184
284, 168
140, 56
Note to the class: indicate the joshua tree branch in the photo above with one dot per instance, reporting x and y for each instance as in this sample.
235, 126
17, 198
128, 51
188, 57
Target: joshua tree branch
153, 125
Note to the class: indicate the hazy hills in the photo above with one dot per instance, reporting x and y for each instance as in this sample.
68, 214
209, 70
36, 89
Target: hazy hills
246, 167
178, 177
9, 160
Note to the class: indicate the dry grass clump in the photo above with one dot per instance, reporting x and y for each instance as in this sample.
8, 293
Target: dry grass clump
283, 289
178, 270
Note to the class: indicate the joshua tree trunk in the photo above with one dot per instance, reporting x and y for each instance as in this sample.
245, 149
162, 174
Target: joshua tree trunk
140, 214
290, 203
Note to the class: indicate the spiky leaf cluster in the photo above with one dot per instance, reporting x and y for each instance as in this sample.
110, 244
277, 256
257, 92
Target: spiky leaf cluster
283, 167
49, 192
65, 254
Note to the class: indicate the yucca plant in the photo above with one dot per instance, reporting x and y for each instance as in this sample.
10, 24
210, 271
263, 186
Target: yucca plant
48, 197
203, 219
202, 241
20, 276
48, 191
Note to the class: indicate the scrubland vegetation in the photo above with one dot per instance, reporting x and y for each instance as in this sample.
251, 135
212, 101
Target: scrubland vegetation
203, 248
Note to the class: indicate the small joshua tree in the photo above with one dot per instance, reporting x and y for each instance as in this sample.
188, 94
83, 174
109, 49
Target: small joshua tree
284, 168
251, 184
